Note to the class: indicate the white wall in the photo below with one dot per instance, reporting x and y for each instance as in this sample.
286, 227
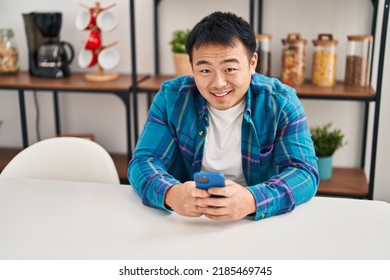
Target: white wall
91, 113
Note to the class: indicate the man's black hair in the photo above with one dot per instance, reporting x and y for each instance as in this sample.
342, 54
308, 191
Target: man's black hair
222, 29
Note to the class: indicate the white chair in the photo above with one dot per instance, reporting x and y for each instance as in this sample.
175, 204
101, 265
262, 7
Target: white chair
64, 158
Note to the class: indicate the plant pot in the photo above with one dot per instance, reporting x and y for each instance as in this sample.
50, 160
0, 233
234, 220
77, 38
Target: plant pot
325, 167
182, 64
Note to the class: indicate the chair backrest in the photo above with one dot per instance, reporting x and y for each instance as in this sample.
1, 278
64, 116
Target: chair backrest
64, 158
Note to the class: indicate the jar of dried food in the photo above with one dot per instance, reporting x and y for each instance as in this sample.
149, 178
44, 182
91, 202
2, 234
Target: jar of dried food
9, 56
263, 42
324, 61
358, 64
293, 60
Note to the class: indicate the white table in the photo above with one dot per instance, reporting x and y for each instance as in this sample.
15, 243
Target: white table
69, 220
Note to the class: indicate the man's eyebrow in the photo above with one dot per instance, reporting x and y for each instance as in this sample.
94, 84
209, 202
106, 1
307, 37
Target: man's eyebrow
200, 62
229, 60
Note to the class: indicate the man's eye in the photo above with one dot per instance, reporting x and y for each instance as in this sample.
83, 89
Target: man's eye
230, 69
205, 71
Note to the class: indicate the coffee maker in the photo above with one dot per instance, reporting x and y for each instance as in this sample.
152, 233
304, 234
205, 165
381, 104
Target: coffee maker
47, 56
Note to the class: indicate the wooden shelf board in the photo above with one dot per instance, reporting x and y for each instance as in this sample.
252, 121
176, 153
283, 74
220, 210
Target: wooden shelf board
307, 90
6, 154
121, 163
153, 83
337, 92
74, 82
345, 182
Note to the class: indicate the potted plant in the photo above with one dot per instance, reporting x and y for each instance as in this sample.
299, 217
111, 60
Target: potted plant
180, 57
326, 142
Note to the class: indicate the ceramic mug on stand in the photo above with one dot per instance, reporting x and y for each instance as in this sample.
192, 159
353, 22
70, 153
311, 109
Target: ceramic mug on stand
86, 20
94, 40
108, 58
106, 21
87, 58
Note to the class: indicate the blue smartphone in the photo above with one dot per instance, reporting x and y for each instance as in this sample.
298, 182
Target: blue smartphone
205, 180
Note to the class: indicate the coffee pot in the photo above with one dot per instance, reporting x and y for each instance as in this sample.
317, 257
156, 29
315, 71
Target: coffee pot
48, 56
55, 55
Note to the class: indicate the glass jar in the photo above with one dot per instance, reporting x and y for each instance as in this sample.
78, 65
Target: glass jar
263, 42
293, 60
358, 64
9, 56
324, 61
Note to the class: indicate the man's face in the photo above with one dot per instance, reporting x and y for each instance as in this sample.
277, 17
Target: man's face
222, 73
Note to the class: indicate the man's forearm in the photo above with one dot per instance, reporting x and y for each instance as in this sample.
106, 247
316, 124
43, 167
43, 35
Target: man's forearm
283, 192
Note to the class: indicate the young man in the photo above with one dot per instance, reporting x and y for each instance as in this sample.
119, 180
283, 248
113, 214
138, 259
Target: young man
229, 119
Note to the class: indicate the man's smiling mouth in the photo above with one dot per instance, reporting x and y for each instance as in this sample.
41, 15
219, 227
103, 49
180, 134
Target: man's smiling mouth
221, 94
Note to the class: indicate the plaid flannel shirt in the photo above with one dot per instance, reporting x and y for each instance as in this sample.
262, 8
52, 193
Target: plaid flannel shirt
278, 158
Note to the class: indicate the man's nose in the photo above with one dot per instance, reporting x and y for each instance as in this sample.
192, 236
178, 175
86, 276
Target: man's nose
219, 80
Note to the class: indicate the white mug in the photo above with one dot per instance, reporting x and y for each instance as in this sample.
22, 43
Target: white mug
108, 58
86, 20
87, 58
106, 21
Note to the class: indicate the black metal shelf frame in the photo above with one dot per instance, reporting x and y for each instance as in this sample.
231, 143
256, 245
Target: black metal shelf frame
260, 9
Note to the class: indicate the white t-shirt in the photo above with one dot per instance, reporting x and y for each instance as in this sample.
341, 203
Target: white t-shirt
222, 150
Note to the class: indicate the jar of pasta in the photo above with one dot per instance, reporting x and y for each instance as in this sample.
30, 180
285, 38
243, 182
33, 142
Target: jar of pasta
264, 54
324, 61
358, 64
293, 60
9, 56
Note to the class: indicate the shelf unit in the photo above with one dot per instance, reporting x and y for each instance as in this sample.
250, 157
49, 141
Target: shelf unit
348, 182
23, 84
352, 181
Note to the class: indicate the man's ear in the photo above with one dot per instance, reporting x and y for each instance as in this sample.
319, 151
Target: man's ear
253, 63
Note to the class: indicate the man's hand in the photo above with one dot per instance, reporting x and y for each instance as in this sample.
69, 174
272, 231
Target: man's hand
182, 199
237, 203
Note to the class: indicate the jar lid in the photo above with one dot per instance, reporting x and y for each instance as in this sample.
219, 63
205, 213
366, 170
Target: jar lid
263, 36
294, 39
325, 39
359, 37
6, 32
